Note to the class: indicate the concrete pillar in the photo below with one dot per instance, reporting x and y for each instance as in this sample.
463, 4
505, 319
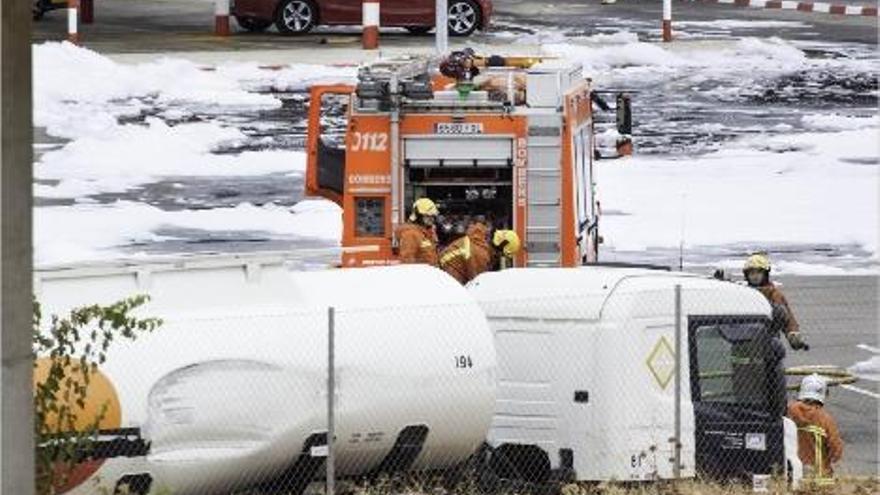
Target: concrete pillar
16, 395
370, 20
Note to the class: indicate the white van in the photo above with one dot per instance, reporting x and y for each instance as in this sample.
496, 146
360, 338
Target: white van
586, 366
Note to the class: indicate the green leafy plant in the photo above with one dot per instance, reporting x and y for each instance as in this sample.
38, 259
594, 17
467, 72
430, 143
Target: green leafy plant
68, 412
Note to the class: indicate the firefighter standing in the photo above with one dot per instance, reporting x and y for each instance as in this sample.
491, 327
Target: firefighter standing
757, 274
471, 254
417, 238
819, 443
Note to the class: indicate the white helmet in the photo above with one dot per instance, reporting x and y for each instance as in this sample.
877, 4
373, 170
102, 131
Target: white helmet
813, 387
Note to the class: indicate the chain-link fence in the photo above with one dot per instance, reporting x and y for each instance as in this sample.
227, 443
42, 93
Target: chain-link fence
526, 380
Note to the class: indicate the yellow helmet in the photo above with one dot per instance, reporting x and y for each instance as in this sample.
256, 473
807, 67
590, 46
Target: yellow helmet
757, 261
507, 241
424, 207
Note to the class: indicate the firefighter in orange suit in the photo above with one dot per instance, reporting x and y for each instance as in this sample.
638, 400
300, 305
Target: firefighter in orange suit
417, 238
757, 274
472, 254
819, 442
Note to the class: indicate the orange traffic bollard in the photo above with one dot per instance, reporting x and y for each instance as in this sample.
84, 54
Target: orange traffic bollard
221, 17
371, 24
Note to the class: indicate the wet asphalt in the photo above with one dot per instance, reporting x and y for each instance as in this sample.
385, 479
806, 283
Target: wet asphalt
839, 319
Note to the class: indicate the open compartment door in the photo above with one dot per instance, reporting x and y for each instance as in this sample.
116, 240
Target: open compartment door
325, 166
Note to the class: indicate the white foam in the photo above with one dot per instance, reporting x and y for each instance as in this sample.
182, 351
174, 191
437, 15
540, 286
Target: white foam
787, 267
66, 234
126, 156
799, 188
867, 370
837, 122
80, 92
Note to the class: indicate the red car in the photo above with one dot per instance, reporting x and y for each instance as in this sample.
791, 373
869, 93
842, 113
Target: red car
300, 16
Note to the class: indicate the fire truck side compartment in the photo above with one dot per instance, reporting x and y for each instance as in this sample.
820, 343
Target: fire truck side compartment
458, 151
544, 174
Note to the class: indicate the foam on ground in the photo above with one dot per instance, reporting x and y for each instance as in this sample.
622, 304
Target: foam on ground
798, 188
89, 232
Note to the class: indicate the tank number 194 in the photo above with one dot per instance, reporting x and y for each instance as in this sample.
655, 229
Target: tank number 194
464, 361
369, 141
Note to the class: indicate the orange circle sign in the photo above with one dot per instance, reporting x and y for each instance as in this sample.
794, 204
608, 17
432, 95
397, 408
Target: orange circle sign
100, 397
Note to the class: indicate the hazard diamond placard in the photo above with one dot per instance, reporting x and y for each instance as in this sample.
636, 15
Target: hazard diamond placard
661, 362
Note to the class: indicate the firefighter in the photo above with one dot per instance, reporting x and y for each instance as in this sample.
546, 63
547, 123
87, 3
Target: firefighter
472, 254
819, 443
459, 65
418, 238
757, 274
506, 244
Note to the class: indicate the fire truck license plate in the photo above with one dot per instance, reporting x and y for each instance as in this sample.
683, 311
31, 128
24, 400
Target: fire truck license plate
458, 128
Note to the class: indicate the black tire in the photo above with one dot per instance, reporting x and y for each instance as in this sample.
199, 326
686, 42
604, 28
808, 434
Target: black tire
465, 17
296, 16
419, 30
253, 24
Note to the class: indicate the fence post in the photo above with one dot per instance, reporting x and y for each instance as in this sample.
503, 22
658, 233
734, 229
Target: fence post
676, 467
221, 17
73, 21
667, 20
331, 399
370, 13
441, 26
16, 217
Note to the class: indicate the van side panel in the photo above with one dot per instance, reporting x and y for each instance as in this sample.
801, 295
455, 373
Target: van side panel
633, 405
525, 410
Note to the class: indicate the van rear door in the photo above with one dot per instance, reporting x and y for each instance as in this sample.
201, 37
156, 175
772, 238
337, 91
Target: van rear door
738, 393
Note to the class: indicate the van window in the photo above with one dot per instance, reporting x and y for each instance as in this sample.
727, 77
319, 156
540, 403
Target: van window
731, 362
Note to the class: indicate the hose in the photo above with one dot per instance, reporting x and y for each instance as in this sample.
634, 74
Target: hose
835, 375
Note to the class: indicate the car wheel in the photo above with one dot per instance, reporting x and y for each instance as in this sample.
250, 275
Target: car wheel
296, 16
419, 30
253, 24
464, 17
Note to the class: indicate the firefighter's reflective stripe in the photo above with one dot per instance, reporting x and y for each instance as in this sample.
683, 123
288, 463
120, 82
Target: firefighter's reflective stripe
819, 436
427, 244
464, 252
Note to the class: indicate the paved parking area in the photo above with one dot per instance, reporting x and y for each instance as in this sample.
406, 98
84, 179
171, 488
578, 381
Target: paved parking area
125, 26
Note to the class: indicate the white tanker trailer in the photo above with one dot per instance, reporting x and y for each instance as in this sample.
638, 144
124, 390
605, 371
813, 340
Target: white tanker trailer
231, 391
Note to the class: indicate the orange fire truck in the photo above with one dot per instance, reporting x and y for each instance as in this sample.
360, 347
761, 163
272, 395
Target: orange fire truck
513, 146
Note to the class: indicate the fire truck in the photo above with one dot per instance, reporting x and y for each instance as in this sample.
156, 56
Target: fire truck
511, 142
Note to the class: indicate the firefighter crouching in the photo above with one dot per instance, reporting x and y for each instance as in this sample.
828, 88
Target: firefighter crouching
757, 275
819, 443
472, 254
417, 238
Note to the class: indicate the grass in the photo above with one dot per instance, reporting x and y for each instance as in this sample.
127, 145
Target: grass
414, 486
